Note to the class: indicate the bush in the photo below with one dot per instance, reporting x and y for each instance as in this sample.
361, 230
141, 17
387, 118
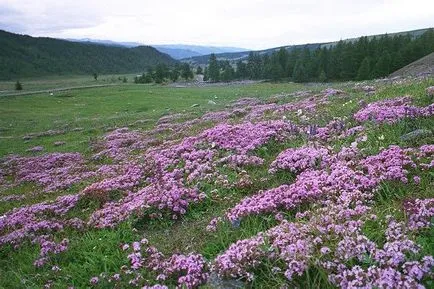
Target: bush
18, 86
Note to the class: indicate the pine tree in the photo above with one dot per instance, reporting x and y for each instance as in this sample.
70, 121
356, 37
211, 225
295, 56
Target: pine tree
255, 66
275, 70
186, 71
199, 70
283, 61
364, 71
299, 74
382, 67
213, 68
205, 74
322, 77
228, 73
174, 74
161, 72
242, 72
18, 86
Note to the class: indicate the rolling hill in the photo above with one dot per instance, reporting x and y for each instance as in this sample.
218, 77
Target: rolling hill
235, 56
26, 56
422, 66
176, 51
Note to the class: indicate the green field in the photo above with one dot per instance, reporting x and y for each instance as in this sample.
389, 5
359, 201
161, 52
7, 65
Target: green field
97, 110
83, 116
49, 83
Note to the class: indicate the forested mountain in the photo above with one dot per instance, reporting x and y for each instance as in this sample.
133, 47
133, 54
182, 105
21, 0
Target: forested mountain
25, 56
242, 55
364, 58
176, 51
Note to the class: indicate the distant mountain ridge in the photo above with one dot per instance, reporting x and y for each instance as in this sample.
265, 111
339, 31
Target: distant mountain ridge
106, 42
235, 56
176, 51
180, 51
26, 56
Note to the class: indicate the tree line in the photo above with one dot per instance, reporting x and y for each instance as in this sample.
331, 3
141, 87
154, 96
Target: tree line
162, 73
362, 59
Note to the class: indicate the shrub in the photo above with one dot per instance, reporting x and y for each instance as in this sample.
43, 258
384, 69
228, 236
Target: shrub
18, 86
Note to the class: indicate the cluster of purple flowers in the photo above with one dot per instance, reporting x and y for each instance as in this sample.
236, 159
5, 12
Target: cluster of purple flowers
330, 236
51, 171
420, 213
174, 166
392, 110
299, 159
186, 271
333, 193
48, 246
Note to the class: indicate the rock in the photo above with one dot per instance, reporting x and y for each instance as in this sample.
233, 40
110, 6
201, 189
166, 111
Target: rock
236, 223
35, 149
367, 88
362, 103
416, 134
332, 92
195, 105
59, 143
216, 282
211, 102
430, 91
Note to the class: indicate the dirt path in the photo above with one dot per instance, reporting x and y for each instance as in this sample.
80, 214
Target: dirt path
56, 89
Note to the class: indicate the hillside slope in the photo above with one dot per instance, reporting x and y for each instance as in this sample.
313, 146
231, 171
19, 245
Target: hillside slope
425, 65
234, 56
25, 56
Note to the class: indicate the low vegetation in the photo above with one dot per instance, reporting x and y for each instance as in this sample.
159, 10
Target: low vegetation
261, 186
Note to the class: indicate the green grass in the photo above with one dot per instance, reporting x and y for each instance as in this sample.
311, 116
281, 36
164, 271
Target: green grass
33, 84
96, 110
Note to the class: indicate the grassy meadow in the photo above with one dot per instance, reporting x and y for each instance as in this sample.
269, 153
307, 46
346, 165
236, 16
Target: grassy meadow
96, 110
81, 117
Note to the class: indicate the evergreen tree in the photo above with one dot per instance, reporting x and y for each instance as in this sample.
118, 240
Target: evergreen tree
186, 71
299, 74
205, 74
199, 70
242, 72
213, 68
283, 61
364, 71
18, 86
174, 74
275, 71
255, 66
322, 77
161, 72
148, 78
382, 67
228, 73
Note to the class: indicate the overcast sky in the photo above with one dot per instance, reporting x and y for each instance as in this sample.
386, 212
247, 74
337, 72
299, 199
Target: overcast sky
253, 24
